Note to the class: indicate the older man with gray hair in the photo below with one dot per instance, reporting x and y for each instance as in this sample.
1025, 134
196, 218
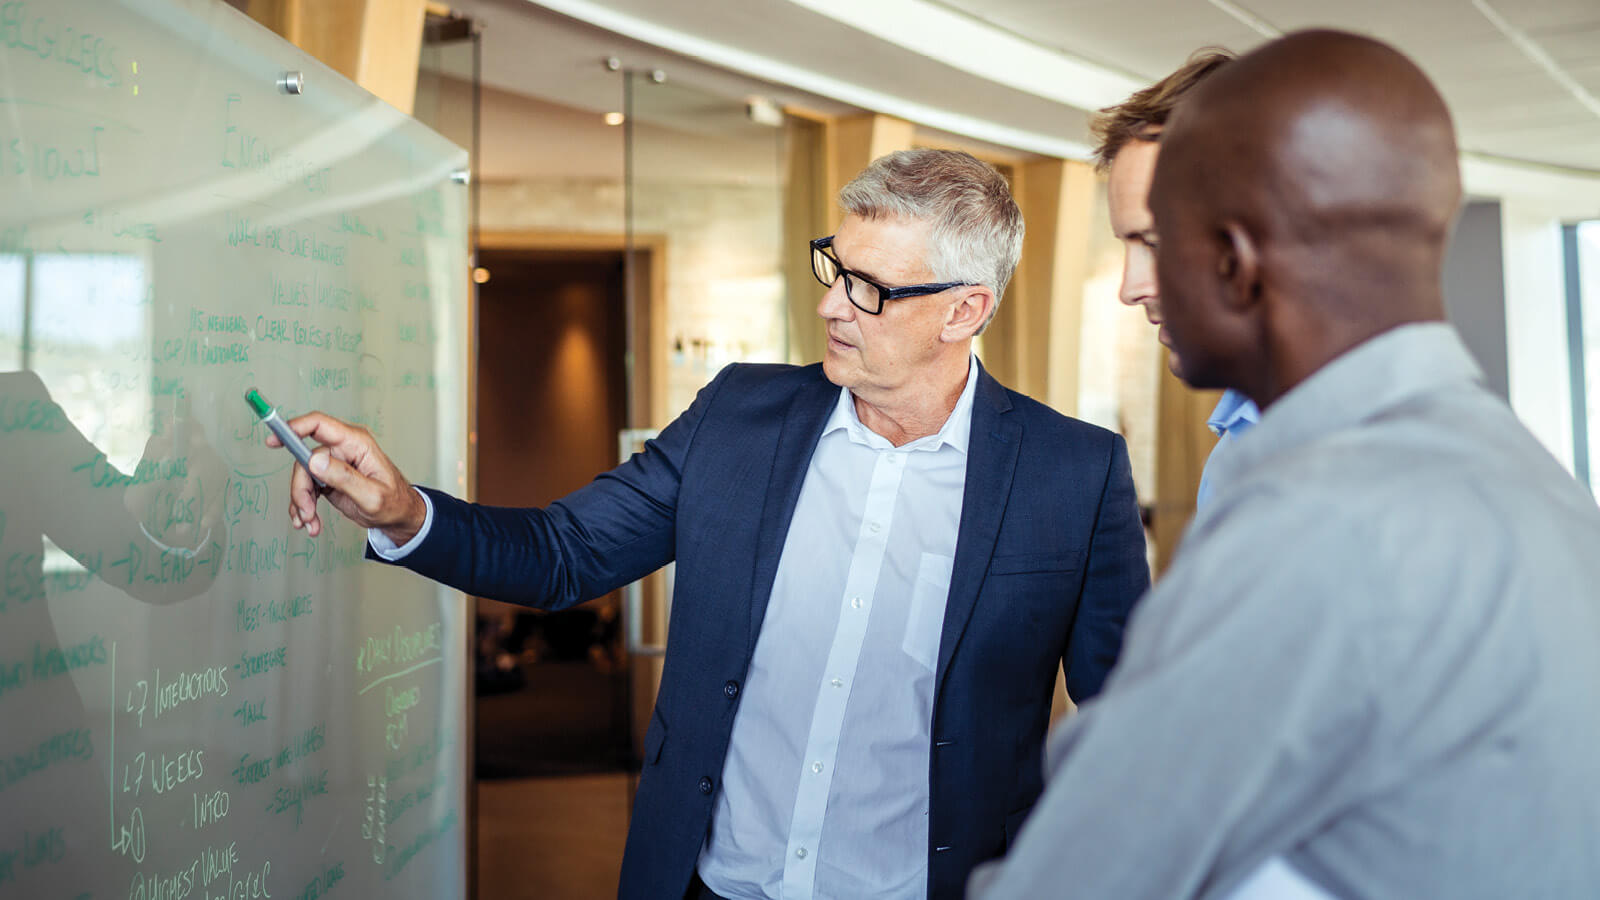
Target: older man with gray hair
883, 561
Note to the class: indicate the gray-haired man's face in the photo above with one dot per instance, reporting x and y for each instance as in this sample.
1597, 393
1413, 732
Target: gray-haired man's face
878, 356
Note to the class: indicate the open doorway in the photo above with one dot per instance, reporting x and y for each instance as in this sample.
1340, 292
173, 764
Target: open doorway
552, 395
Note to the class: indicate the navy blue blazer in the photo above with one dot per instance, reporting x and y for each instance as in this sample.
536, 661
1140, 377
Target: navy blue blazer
1049, 560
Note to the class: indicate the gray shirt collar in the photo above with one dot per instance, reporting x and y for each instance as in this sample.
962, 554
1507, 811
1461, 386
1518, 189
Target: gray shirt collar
1384, 372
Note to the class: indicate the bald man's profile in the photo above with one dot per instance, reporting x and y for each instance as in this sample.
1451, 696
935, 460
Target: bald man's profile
1398, 699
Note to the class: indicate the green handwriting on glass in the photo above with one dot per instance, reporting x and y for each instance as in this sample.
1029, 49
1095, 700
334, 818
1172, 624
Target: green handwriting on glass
294, 796
39, 847
50, 662
78, 158
102, 474
251, 665
243, 232
22, 29
403, 856
244, 149
320, 886
72, 745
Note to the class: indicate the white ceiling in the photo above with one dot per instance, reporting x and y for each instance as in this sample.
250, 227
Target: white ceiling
1521, 76
1506, 103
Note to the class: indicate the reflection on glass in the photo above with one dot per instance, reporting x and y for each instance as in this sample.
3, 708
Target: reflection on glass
710, 179
12, 272
1589, 282
97, 493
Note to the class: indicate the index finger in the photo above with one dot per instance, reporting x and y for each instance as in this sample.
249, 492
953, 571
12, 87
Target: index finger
325, 428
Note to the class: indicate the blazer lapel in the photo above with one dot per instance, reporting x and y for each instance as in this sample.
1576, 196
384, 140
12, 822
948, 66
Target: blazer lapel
797, 441
991, 460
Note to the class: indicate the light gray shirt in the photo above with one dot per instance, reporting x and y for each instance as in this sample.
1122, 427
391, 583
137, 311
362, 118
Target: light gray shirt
1399, 697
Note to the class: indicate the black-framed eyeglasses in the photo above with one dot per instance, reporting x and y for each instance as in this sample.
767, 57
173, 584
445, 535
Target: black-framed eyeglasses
862, 292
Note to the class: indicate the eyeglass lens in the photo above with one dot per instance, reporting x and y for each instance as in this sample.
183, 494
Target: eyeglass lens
861, 293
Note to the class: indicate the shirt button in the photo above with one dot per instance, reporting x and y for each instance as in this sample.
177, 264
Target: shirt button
837, 682
731, 689
801, 853
855, 602
874, 527
894, 459
705, 784
816, 767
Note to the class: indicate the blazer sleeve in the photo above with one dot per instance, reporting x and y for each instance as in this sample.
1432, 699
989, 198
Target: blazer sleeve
1116, 574
609, 533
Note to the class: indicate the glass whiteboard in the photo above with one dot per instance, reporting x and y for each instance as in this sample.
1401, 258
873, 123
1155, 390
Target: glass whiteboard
196, 701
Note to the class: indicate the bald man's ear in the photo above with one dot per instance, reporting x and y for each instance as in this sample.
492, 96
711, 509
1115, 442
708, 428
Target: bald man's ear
1239, 266
968, 314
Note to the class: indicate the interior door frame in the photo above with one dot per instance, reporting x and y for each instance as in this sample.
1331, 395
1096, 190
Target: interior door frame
647, 399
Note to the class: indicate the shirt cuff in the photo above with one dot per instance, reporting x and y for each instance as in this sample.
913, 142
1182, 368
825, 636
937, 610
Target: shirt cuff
386, 549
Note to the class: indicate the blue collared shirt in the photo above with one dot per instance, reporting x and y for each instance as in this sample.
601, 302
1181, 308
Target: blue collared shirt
1234, 415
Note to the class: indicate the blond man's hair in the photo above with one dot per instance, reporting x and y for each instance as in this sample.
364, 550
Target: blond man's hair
1142, 116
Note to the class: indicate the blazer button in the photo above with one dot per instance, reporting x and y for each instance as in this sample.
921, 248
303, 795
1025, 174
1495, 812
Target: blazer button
705, 784
731, 689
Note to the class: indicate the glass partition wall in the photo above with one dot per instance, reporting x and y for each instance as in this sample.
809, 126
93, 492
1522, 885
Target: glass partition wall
705, 192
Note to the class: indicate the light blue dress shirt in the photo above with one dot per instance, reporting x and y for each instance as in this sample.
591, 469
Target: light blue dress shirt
1234, 415
825, 788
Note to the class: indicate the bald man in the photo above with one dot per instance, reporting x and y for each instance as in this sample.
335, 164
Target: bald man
1399, 699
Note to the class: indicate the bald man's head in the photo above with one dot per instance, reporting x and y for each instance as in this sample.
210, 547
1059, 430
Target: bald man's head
1304, 196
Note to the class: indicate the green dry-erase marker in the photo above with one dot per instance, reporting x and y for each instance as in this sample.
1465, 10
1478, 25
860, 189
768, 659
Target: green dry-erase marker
291, 441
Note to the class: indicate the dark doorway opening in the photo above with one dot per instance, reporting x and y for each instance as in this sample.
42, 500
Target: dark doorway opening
552, 388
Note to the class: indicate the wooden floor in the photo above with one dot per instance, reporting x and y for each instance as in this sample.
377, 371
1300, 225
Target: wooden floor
551, 838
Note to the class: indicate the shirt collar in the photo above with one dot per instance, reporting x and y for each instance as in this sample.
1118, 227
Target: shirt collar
1233, 410
955, 433
1386, 371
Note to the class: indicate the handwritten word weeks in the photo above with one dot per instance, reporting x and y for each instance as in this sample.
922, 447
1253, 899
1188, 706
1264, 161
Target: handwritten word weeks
162, 771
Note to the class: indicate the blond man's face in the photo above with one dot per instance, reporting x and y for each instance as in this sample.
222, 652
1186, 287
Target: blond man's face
1128, 195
